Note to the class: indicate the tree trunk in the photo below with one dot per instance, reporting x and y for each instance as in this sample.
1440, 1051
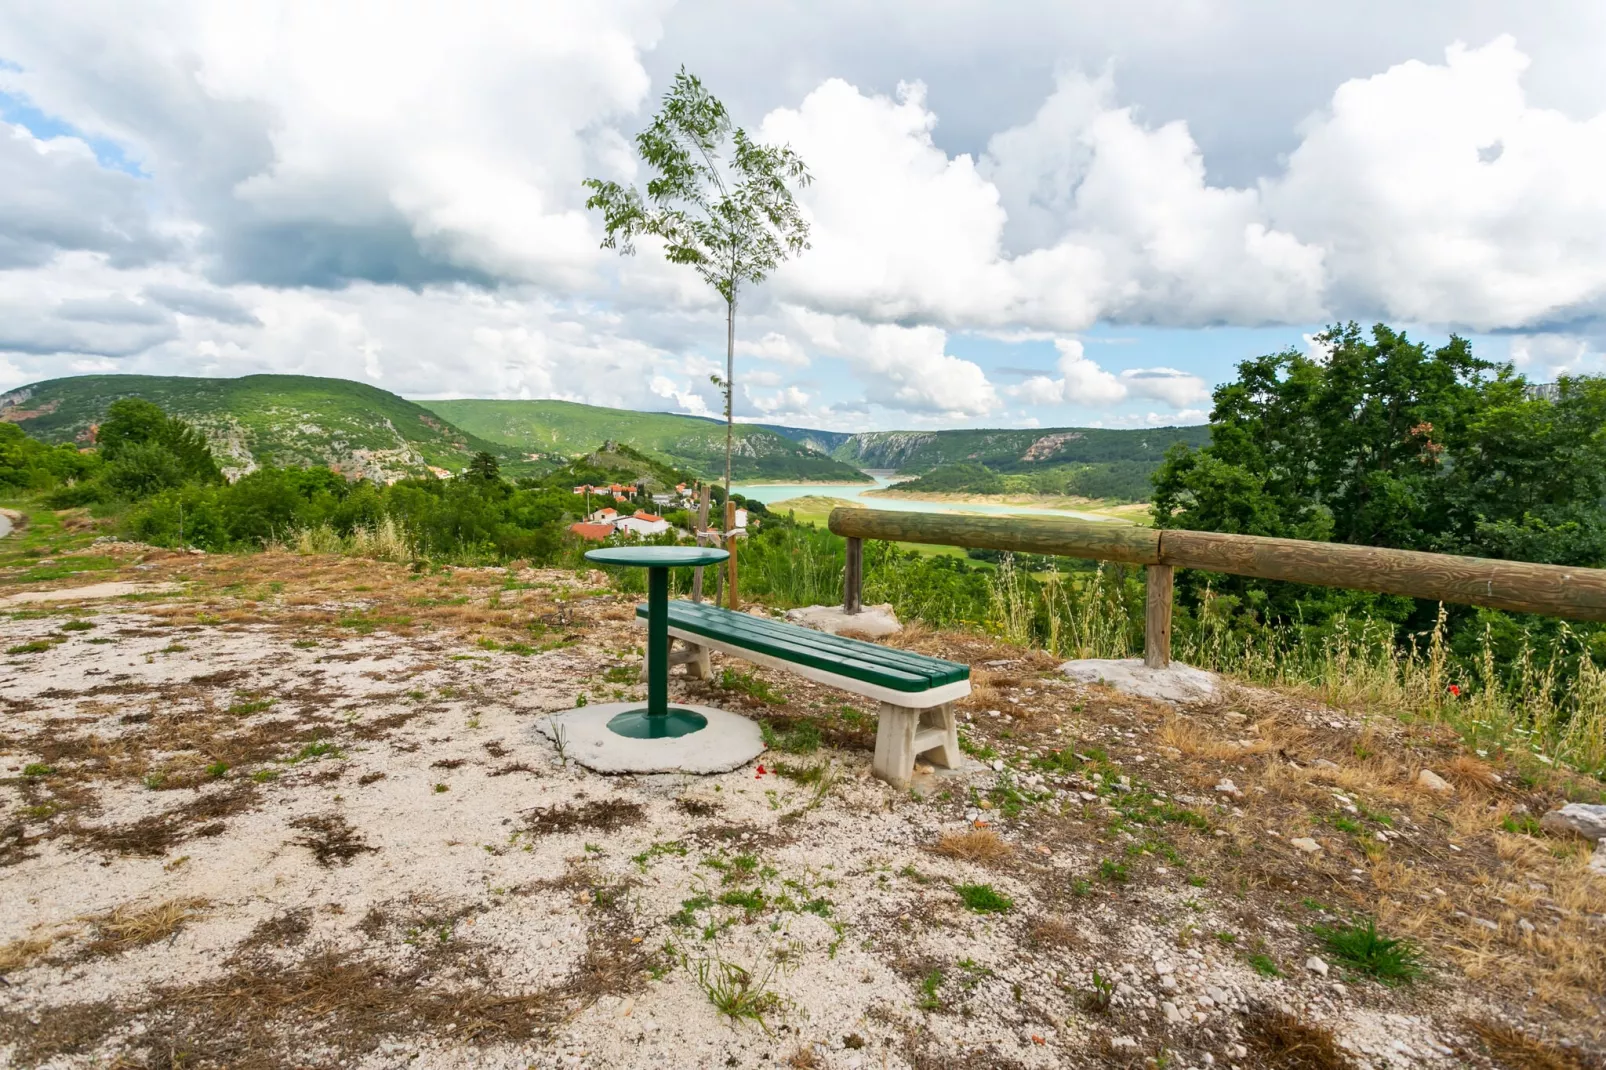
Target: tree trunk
730, 386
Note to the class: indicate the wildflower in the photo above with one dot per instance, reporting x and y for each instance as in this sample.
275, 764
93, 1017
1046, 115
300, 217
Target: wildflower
760, 771
1455, 690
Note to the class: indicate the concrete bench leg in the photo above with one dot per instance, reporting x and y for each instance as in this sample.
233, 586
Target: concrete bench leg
691, 655
895, 744
946, 753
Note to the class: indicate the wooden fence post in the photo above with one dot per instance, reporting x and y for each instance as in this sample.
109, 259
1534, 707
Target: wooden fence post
1157, 617
853, 577
731, 599
702, 526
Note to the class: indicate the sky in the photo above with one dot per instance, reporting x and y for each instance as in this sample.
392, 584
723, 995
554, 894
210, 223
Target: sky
1034, 214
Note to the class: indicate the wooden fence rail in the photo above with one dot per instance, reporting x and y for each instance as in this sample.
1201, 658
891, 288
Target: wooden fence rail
1553, 590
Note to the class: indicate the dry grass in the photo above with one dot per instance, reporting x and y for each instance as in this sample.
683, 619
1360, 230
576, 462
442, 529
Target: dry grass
20, 954
130, 926
1279, 1039
1515, 1050
983, 846
803, 1058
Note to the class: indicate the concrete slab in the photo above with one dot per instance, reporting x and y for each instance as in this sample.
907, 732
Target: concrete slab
874, 621
729, 741
1177, 683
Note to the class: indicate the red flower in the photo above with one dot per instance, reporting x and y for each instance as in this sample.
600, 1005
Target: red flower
1455, 689
759, 773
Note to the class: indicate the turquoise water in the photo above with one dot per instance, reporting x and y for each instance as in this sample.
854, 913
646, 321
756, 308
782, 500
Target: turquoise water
770, 492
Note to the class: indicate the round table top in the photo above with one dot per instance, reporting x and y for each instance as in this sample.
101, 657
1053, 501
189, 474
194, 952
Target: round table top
657, 556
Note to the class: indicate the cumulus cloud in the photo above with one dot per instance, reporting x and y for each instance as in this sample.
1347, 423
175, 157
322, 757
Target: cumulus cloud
904, 367
394, 193
1083, 382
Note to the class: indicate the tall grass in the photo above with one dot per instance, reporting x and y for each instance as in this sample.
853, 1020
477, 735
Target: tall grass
384, 540
1549, 701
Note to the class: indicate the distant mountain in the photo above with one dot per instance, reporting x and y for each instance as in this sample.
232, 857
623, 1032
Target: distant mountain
1014, 450
268, 419
694, 443
819, 441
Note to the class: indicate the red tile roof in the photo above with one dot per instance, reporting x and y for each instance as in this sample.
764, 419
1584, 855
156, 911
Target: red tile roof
647, 517
595, 532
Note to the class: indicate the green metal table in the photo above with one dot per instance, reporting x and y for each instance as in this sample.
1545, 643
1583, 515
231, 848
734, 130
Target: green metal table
654, 721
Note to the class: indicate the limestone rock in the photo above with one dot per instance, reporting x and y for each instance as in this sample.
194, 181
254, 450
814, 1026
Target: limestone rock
1582, 819
1306, 844
1177, 683
1316, 966
1597, 861
873, 621
1433, 782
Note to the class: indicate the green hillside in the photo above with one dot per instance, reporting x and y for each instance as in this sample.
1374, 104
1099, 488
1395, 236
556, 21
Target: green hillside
1014, 450
688, 442
262, 419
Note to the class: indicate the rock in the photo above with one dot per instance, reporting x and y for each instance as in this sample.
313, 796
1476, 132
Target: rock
1227, 786
1178, 683
1235, 717
1433, 782
1525, 926
1323, 763
874, 621
1306, 844
1597, 861
1316, 966
1581, 819
1124, 1044
1172, 1015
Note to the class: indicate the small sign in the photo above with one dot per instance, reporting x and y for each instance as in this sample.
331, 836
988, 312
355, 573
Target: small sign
741, 518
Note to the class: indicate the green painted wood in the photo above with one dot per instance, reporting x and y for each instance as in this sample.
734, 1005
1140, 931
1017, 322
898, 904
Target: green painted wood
898, 670
1059, 536
657, 556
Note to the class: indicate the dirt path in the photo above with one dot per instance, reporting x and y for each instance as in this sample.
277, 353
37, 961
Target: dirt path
296, 814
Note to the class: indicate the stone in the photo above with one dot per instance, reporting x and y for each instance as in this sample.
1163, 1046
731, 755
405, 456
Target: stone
1323, 763
1306, 844
1525, 926
1124, 1043
1597, 861
1580, 819
1433, 782
1172, 1015
1316, 966
729, 741
1177, 683
874, 621
1227, 787
1235, 717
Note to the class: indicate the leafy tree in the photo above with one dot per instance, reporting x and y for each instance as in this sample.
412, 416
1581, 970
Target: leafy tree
484, 468
719, 201
1380, 441
135, 431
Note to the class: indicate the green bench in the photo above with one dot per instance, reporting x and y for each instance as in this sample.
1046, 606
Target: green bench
916, 693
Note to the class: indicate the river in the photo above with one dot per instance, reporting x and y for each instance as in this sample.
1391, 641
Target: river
778, 492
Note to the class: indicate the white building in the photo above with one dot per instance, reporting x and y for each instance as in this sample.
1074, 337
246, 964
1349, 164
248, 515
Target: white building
641, 523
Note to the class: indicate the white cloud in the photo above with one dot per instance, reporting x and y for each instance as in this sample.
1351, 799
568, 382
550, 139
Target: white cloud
1083, 382
774, 347
1441, 195
1544, 357
1175, 388
904, 367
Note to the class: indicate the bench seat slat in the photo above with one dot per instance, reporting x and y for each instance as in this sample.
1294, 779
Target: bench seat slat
897, 670
729, 623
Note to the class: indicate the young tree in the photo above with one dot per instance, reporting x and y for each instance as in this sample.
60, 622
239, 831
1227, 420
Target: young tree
721, 202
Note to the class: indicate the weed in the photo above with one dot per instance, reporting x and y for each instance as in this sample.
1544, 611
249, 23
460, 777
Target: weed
1364, 949
979, 751
1097, 999
1520, 824
800, 737
752, 900
749, 684
974, 845
38, 769
1278, 1038
1264, 965
929, 999
801, 774
36, 646
77, 626
658, 850
262, 776
246, 707
442, 788
217, 769
320, 748
1114, 872
984, 899
736, 993
1081, 888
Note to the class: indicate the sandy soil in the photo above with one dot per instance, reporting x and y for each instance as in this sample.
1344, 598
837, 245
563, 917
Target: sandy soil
295, 814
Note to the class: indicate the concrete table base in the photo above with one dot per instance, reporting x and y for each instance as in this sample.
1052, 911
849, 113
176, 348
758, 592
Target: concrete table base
728, 742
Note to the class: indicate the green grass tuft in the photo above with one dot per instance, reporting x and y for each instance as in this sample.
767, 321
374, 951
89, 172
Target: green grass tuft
1365, 950
984, 899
